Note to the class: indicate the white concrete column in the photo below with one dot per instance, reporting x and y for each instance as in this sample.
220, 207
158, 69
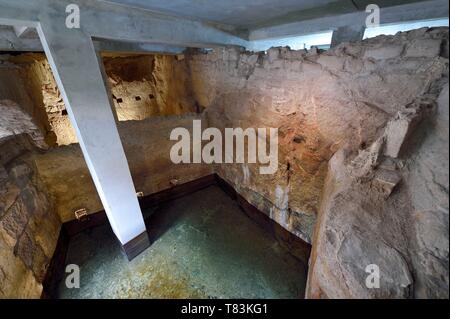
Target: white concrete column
75, 66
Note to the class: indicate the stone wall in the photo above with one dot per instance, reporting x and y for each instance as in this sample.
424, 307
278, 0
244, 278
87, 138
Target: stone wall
388, 206
29, 226
141, 87
36, 91
371, 107
149, 85
363, 150
15, 120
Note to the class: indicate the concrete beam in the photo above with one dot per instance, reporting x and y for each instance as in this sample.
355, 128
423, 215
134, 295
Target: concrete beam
110, 21
410, 12
81, 84
352, 33
9, 41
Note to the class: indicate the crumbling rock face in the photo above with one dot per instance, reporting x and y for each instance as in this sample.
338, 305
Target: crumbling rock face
363, 150
319, 101
427, 180
29, 226
141, 86
20, 91
15, 121
44, 103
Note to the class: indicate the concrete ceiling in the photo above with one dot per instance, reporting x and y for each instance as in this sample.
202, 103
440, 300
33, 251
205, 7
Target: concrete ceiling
248, 14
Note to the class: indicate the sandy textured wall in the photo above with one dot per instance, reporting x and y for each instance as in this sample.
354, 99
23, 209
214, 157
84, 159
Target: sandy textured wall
379, 109
319, 101
29, 225
149, 85
388, 206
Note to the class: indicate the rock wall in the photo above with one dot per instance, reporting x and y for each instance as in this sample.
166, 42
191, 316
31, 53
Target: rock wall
371, 106
29, 226
149, 85
43, 102
319, 101
387, 205
15, 89
427, 183
14, 121
363, 149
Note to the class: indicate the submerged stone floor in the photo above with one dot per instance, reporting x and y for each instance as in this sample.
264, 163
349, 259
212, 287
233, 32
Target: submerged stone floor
205, 247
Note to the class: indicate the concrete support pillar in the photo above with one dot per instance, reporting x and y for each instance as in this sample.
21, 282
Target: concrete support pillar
347, 34
74, 62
